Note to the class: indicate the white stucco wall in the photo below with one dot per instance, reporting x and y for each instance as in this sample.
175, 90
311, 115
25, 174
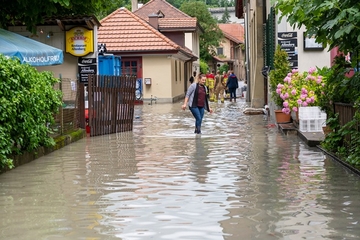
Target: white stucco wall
158, 68
167, 81
192, 42
309, 58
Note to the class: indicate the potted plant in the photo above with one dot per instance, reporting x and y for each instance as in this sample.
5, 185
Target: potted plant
281, 69
276, 77
301, 89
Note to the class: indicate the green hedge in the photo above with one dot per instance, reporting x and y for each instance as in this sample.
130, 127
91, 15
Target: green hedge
27, 104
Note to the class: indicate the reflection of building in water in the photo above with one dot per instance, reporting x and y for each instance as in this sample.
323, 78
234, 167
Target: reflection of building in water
300, 191
110, 165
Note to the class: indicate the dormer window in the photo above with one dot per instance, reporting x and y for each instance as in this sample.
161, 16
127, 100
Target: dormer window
160, 14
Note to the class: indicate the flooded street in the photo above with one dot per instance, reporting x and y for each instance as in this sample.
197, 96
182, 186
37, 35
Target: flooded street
240, 179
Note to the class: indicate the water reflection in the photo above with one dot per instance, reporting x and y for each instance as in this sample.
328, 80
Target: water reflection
240, 179
199, 162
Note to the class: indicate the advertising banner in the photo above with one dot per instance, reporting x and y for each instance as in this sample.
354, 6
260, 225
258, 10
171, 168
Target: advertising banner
79, 41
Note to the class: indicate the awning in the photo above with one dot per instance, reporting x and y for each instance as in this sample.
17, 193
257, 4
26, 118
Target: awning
28, 50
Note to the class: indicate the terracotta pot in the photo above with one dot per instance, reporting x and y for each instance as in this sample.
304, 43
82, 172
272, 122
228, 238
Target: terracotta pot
326, 130
282, 117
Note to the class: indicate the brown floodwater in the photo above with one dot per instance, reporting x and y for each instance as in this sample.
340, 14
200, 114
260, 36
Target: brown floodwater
240, 179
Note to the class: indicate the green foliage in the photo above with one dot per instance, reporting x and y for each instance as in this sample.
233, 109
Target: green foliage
277, 75
335, 22
224, 68
33, 12
176, 3
204, 67
333, 140
225, 17
27, 104
107, 7
212, 35
339, 86
324, 100
344, 141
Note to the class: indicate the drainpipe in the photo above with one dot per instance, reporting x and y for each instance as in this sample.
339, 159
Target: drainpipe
247, 50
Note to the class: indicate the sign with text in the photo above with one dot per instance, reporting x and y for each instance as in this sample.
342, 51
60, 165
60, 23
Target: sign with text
288, 42
79, 41
85, 70
87, 61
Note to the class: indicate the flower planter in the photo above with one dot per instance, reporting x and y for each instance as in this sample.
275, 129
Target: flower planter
282, 117
326, 130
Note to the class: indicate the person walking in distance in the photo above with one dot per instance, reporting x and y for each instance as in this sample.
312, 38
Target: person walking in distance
232, 85
219, 86
197, 98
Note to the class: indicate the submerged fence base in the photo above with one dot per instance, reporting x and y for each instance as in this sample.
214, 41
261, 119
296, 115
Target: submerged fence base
110, 104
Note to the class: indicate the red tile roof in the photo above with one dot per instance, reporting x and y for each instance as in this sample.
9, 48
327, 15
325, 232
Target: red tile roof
123, 31
233, 31
154, 6
178, 23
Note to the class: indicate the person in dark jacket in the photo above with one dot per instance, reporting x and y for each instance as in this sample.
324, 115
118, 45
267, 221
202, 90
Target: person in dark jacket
232, 85
197, 98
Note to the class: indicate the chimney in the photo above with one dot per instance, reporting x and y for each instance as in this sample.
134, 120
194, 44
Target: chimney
154, 20
134, 5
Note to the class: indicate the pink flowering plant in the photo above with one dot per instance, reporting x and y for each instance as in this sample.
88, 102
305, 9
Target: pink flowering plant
300, 89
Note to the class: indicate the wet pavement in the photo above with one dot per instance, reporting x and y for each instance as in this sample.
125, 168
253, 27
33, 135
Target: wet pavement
240, 179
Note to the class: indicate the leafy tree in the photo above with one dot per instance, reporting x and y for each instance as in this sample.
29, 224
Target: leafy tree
204, 67
176, 3
212, 35
27, 104
335, 22
219, 3
32, 13
224, 68
225, 17
108, 7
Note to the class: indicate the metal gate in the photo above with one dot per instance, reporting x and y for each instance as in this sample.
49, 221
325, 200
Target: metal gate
110, 104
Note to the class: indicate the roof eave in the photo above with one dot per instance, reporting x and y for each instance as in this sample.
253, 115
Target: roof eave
190, 29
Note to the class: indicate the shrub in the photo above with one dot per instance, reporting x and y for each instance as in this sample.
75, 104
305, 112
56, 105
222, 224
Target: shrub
277, 75
204, 67
301, 89
224, 68
27, 104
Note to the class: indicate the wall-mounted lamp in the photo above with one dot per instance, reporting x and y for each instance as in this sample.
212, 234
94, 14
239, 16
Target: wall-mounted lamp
50, 34
41, 31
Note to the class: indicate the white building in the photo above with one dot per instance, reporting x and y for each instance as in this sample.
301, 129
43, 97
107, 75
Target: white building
307, 52
219, 12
